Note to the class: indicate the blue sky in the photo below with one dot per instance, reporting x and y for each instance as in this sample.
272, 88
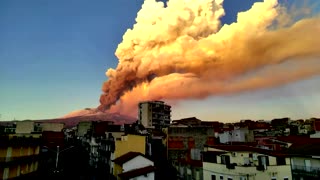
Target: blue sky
54, 55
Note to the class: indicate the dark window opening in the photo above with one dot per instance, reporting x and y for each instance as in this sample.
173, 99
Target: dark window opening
225, 159
281, 161
213, 177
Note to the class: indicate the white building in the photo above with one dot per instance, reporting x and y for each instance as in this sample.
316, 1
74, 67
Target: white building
230, 162
237, 135
135, 166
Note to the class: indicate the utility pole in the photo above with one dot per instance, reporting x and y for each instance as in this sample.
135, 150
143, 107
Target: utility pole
57, 158
58, 153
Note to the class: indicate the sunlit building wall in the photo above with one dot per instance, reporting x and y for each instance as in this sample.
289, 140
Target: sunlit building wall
19, 155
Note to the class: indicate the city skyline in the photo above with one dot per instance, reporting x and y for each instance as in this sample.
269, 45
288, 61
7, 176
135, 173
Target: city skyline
55, 54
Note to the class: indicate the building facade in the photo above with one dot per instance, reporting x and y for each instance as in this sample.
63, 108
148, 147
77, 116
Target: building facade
134, 165
154, 114
232, 162
19, 155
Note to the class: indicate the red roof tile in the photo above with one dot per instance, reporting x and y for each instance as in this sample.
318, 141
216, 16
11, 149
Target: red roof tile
126, 157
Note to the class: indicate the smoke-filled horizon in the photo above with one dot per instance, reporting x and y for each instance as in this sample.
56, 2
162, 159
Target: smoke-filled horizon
181, 51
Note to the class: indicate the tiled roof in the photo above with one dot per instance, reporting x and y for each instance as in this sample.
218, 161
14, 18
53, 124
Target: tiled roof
126, 157
137, 172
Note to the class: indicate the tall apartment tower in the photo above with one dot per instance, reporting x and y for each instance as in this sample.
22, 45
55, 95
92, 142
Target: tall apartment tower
154, 114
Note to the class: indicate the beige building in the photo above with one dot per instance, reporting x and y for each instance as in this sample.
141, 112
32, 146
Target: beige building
55, 127
236, 162
24, 127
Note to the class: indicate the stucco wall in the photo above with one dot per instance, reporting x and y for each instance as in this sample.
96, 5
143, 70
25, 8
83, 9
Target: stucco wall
134, 143
149, 176
24, 127
56, 127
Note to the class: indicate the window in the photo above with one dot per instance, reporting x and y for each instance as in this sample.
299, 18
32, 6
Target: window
207, 157
229, 178
225, 159
221, 177
307, 164
281, 161
285, 178
273, 178
213, 177
263, 160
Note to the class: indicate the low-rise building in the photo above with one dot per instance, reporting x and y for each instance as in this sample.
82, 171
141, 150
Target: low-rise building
233, 162
83, 127
55, 127
128, 143
134, 165
237, 135
24, 127
185, 141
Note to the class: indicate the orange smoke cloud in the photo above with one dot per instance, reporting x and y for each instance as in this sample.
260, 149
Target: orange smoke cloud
181, 52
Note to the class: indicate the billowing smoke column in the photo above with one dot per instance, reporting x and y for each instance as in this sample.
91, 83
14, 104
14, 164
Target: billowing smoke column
181, 51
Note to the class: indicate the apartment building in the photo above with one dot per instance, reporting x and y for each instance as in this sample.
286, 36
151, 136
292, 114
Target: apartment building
19, 155
154, 114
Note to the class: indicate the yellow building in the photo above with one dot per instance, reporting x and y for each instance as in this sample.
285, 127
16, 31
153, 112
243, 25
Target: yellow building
128, 143
237, 162
19, 155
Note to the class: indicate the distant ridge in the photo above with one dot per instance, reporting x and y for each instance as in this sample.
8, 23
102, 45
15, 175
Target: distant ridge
88, 114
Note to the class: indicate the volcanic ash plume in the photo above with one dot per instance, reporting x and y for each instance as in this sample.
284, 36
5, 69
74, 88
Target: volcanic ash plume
181, 51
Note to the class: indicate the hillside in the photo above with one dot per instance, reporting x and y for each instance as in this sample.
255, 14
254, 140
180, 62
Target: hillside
73, 118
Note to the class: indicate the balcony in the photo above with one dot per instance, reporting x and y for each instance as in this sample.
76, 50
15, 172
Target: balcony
261, 168
231, 166
17, 160
306, 171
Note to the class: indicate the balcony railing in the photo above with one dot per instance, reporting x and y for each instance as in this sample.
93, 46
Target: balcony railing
307, 171
4, 161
